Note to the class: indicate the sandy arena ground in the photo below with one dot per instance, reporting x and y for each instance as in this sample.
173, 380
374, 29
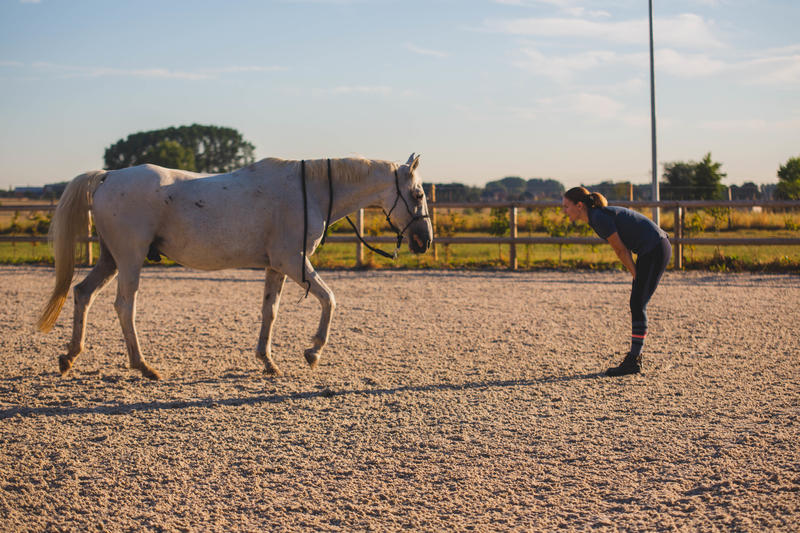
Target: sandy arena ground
445, 401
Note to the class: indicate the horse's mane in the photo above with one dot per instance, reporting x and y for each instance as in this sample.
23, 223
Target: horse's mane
346, 169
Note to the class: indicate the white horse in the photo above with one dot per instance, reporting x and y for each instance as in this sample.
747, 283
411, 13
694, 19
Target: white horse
261, 216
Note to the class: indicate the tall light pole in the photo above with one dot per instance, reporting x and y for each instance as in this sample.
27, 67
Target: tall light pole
656, 195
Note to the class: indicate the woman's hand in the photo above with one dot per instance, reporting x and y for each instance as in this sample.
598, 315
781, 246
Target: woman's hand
623, 253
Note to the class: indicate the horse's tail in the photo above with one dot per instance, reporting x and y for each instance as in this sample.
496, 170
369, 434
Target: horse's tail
70, 221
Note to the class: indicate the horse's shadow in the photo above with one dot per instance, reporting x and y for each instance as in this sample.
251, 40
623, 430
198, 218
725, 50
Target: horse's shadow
122, 409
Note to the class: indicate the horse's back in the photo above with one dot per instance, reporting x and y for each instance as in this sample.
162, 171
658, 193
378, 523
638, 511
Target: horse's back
208, 222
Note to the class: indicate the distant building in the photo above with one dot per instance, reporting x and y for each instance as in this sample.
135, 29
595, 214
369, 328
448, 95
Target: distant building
28, 192
51, 191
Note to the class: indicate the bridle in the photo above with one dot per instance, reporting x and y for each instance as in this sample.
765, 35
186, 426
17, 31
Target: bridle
400, 233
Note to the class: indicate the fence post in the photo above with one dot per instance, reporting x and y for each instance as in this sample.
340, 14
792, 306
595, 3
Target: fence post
359, 246
512, 226
730, 224
89, 251
433, 221
677, 261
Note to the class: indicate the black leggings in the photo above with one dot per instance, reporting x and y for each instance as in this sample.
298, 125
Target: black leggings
649, 268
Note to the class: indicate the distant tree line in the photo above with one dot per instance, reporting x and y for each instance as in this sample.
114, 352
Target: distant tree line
682, 180
214, 149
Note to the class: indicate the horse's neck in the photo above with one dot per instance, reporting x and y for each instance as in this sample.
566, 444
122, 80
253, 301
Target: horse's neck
350, 197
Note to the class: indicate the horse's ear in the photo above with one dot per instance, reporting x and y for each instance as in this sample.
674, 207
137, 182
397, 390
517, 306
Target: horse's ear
413, 162
410, 159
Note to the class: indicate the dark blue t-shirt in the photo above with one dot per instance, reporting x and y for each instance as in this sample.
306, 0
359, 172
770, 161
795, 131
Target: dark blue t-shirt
638, 233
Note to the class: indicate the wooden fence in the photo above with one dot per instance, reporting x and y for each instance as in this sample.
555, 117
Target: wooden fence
678, 239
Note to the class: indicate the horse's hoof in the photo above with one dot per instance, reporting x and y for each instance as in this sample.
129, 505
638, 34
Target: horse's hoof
273, 371
149, 373
64, 364
312, 357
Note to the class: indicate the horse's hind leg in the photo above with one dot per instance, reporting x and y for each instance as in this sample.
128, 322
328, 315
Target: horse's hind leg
272, 300
125, 305
85, 292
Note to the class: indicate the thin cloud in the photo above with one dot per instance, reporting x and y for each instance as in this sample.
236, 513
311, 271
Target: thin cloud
361, 89
779, 67
592, 105
155, 73
566, 68
101, 72
686, 31
734, 125
426, 51
237, 69
566, 6
782, 69
750, 125
684, 65
332, 2
582, 104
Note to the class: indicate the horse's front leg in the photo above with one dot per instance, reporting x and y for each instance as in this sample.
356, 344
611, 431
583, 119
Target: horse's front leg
321, 291
272, 300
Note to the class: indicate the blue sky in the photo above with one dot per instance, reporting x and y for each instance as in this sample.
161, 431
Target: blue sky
481, 88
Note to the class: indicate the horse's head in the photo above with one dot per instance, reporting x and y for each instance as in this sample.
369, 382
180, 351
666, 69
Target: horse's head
408, 209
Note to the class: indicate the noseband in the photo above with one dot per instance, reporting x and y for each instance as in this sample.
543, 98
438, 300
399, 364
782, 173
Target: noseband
400, 233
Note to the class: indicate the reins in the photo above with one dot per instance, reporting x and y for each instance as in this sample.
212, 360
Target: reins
330, 203
378, 251
305, 225
305, 217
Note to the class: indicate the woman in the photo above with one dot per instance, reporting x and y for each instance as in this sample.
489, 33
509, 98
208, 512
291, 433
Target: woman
627, 232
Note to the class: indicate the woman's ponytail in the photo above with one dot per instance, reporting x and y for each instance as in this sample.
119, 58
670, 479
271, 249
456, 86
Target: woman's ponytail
582, 194
598, 200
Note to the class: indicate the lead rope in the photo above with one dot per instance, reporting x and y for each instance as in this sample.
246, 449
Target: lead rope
330, 203
392, 256
376, 250
305, 226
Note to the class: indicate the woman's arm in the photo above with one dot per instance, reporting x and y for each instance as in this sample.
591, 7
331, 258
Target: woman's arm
622, 252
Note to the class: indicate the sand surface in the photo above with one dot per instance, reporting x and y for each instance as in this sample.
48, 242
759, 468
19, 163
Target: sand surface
444, 401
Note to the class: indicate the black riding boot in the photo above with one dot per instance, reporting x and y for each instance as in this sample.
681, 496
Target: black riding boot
632, 364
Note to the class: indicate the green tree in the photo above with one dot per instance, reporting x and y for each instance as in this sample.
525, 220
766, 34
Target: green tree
748, 191
538, 188
789, 180
515, 186
508, 188
170, 154
708, 179
678, 178
214, 149
692, 180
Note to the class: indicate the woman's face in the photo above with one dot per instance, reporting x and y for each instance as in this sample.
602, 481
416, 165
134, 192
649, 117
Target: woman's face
574, 211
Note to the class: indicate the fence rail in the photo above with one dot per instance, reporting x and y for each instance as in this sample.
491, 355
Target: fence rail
679, 208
